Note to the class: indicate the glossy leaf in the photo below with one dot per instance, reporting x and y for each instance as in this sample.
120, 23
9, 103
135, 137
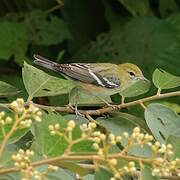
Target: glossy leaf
165, 80
38, 83
162, 121
7, 89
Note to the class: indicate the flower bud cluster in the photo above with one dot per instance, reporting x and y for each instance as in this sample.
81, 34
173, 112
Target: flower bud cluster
54, 128
88, 127
18, 105
29, 114
163, 167
4, 121
129, 169
141, 138
22, 159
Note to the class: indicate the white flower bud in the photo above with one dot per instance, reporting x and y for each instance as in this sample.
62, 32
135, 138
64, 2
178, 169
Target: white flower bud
71, 124
8, 120
57, 126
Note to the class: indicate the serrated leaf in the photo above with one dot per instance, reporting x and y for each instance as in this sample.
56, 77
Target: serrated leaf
13, 41
7, 89
165, 80
38, 83
137, 88
50, 31
162, 121
147, 174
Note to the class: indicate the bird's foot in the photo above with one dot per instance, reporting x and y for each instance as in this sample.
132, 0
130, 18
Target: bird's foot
75, 109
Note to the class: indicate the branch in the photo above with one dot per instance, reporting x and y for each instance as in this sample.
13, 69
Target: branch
111, 108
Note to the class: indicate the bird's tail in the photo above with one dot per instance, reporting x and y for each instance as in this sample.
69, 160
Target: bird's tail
39, 60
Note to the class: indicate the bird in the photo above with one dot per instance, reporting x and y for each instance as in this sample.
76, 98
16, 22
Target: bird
98, 79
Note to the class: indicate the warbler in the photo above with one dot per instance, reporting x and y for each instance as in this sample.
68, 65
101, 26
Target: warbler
99, 79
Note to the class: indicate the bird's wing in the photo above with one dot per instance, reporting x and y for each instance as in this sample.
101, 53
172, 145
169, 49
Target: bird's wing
99, 74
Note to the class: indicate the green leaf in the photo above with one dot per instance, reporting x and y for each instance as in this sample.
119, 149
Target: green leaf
46, 29
102, 174
162, 121
137, 88
136, 7
88, 177
7, 89
60, 174
13, 41
134, 119
16, 134
6, 159
120, 124
55, 145
166, 7
175, 141
38, 83
72, 166
165, 80
142, 39
147, 174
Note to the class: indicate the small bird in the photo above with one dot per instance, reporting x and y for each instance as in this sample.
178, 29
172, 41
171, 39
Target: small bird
99, 79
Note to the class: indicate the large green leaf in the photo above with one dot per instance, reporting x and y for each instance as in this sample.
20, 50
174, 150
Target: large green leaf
137, 88
162, 121
142, 39
120, 124
165, 80
102, 174
147, 174
175, 141
46, 29
136, 7
55, 145
16, 134
7, 89
38, 83
13, 41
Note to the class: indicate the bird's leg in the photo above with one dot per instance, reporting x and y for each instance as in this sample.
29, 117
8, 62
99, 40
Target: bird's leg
122, 99
74, 94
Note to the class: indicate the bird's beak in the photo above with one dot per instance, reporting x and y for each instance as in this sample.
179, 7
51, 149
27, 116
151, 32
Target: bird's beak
142, 78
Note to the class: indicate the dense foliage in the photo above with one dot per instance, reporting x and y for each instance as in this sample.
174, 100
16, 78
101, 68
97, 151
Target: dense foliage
144, 32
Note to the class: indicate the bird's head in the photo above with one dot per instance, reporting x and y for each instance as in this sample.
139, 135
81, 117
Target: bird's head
130, 73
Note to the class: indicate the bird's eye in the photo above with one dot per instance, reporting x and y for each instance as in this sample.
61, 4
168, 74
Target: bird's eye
131, 73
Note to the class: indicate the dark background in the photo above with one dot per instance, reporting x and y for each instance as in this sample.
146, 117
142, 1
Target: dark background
144, 32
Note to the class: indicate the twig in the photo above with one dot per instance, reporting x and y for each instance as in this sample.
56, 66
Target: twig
4, 141
109, 109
